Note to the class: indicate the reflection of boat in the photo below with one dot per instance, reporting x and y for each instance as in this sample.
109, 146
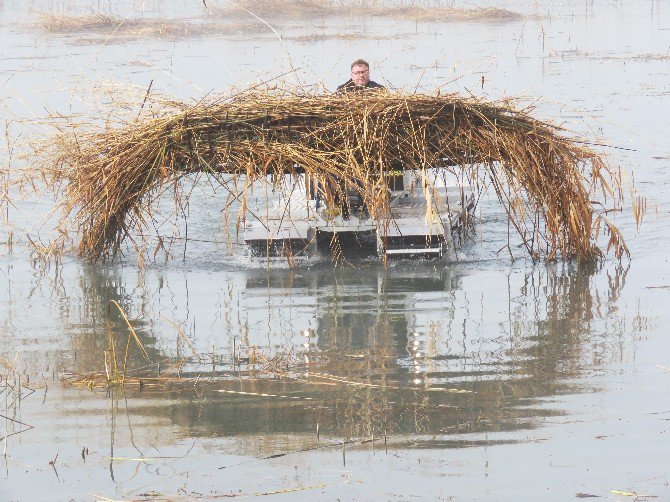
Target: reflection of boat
421, 221
374, 309
371, 350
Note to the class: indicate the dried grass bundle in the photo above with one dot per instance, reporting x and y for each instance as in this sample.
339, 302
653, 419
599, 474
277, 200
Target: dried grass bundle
552, 187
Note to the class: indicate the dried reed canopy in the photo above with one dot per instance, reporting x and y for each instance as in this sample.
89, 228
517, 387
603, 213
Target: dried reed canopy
549, 184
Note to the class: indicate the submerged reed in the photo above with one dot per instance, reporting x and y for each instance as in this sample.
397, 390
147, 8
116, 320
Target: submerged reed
553, 188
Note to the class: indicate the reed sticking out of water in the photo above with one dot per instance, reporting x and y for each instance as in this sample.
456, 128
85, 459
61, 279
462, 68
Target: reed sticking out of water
114, 375
553, 188
12, 388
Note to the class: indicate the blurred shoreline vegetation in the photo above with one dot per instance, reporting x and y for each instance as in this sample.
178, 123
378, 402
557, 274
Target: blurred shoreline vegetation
252, 16
409, 10
114, 27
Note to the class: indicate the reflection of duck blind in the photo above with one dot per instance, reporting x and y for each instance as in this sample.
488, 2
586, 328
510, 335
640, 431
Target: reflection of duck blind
395, 178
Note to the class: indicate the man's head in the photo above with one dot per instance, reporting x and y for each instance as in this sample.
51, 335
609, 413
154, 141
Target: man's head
360, 72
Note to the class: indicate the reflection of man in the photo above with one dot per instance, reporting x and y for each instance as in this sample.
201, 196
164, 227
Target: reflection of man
360, 78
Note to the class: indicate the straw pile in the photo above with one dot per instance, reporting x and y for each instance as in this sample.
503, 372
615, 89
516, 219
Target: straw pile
549, 184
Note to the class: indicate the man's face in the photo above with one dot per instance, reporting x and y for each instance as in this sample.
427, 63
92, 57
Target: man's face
360, 74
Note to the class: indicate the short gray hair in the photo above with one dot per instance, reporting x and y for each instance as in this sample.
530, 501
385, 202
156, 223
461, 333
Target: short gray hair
360, 62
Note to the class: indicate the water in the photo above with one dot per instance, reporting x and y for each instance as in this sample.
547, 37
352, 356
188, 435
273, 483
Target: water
483, 379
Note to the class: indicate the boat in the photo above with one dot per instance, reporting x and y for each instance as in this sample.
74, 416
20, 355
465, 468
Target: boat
425, 219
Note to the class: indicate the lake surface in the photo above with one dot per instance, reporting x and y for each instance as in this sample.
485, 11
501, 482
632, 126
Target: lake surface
485, 378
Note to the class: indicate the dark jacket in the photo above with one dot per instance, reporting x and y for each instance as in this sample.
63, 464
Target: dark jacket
349, 86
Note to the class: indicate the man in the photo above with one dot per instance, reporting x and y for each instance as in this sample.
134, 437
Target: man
360, 79
359, 82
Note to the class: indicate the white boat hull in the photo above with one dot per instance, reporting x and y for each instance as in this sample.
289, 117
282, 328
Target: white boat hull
420, 224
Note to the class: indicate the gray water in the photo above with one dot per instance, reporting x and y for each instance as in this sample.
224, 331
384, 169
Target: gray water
486, 378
